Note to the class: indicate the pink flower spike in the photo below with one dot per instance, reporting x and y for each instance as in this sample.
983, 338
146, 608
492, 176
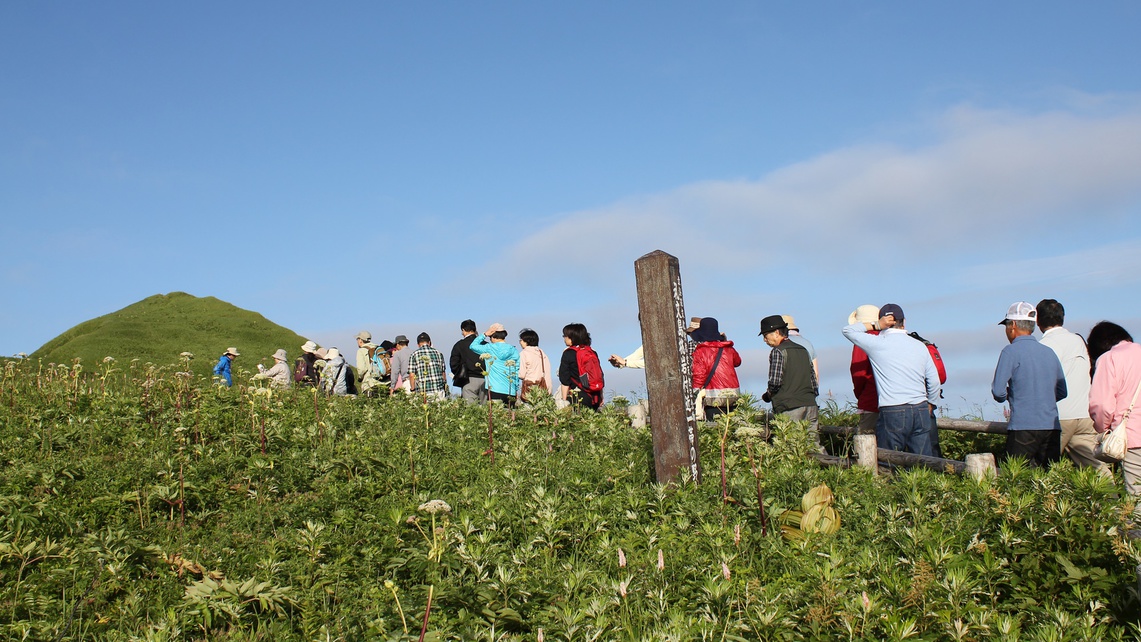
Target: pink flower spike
622, 587
661, 560
539, 638
725, 570
737, 535
867, 602
621, 559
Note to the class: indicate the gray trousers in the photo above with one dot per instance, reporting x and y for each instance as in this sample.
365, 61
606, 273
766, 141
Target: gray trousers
811, 414
1131, 468
474, 391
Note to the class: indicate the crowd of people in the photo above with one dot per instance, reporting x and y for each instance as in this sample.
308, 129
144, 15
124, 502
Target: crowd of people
1063, 391
485, 367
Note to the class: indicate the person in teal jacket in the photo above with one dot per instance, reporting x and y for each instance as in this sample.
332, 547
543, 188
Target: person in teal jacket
222, 370
502, 362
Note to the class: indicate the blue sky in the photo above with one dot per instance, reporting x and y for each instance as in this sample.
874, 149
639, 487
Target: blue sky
401, 167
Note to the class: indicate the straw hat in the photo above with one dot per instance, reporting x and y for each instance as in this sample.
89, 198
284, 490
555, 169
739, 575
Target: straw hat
864, 314
233, 351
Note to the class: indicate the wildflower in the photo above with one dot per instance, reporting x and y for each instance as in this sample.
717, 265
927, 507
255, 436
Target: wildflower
661, 560
539, 637
435, 506
737, 535
749, 432
867, 602
621, 559
388, 584
622, 587
725, 570
412, 519
108, 359
186, 355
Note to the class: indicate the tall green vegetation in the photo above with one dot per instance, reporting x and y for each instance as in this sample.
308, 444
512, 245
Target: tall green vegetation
159, 328
137, 503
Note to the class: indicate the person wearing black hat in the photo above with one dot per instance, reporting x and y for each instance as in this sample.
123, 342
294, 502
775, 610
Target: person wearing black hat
400, 356
792, 381
907, 382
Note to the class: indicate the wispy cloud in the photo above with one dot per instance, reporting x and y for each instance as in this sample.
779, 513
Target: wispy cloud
989, 178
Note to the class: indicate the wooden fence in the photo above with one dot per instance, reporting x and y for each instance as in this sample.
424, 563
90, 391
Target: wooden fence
868, 455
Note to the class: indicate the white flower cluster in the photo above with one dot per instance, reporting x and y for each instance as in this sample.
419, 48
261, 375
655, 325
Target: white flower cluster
435, 506
750, 432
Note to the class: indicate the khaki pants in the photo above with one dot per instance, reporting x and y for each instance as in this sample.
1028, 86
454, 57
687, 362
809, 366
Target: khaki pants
1078, 441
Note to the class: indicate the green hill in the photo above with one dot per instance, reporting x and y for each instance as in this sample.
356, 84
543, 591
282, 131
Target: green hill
159, 328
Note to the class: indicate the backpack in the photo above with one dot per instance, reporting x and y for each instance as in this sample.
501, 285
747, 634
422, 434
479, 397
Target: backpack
380, 365
935, 356
299, 370
589, 369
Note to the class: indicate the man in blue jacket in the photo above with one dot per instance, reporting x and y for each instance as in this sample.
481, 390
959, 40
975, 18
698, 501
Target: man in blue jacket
1029, 376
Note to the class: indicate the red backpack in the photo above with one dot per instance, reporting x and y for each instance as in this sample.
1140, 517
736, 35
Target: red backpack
589, 369
935, 356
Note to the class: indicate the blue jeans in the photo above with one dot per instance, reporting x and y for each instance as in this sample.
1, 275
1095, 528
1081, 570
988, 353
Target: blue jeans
907, 428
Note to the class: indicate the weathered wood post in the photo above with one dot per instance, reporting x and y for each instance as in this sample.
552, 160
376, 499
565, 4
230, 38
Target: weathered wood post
980, 465
866, 453
669, 374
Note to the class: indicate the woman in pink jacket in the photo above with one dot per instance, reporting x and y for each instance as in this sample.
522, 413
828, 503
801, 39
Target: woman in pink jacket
1116, 381
534, 366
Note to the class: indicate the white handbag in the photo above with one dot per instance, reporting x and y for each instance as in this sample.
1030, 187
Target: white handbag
1114, 443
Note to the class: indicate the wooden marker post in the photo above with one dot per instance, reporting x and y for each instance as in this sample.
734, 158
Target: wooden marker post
669, 374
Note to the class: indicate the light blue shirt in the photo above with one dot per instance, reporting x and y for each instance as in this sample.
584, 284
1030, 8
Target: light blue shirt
902, 366
502, 365
796, 338
1030, 376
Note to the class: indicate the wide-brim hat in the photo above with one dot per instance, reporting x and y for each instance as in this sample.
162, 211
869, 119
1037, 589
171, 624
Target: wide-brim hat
772, 322
864, 314
309, 347
332, 353
280, 355
496, 327
707, 330
233, 351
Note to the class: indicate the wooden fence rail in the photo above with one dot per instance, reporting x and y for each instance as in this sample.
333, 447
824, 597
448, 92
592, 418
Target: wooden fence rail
961, 425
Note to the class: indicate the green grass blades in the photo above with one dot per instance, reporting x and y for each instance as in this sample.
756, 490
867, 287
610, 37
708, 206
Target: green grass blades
145, 506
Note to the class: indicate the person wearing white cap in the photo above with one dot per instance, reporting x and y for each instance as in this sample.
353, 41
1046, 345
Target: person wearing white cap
222, 369
278, 375
305, 371
1029, 376
337, 377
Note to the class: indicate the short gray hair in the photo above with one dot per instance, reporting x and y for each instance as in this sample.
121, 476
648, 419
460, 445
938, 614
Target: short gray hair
1023, 325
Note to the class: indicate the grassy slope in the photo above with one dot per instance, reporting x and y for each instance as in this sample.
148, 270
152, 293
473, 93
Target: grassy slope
160, 327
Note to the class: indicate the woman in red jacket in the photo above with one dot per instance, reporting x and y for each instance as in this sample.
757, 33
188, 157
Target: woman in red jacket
715, 364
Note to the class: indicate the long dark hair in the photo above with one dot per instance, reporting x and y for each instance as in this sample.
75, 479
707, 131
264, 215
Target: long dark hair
1102, 337
577, 334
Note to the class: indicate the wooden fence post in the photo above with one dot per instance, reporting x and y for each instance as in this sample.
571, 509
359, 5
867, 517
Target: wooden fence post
980, 465
866, 452
669, 374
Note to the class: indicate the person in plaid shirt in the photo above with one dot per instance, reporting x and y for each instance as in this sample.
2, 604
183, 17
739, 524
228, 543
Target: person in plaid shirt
426, 369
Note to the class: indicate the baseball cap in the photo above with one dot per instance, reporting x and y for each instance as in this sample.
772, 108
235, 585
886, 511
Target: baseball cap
894, 310
1021, 311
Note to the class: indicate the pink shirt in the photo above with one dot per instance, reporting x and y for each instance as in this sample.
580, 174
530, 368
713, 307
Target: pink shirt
1115, 382
534, 365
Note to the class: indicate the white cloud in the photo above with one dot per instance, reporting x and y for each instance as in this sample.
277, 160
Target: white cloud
991, 177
